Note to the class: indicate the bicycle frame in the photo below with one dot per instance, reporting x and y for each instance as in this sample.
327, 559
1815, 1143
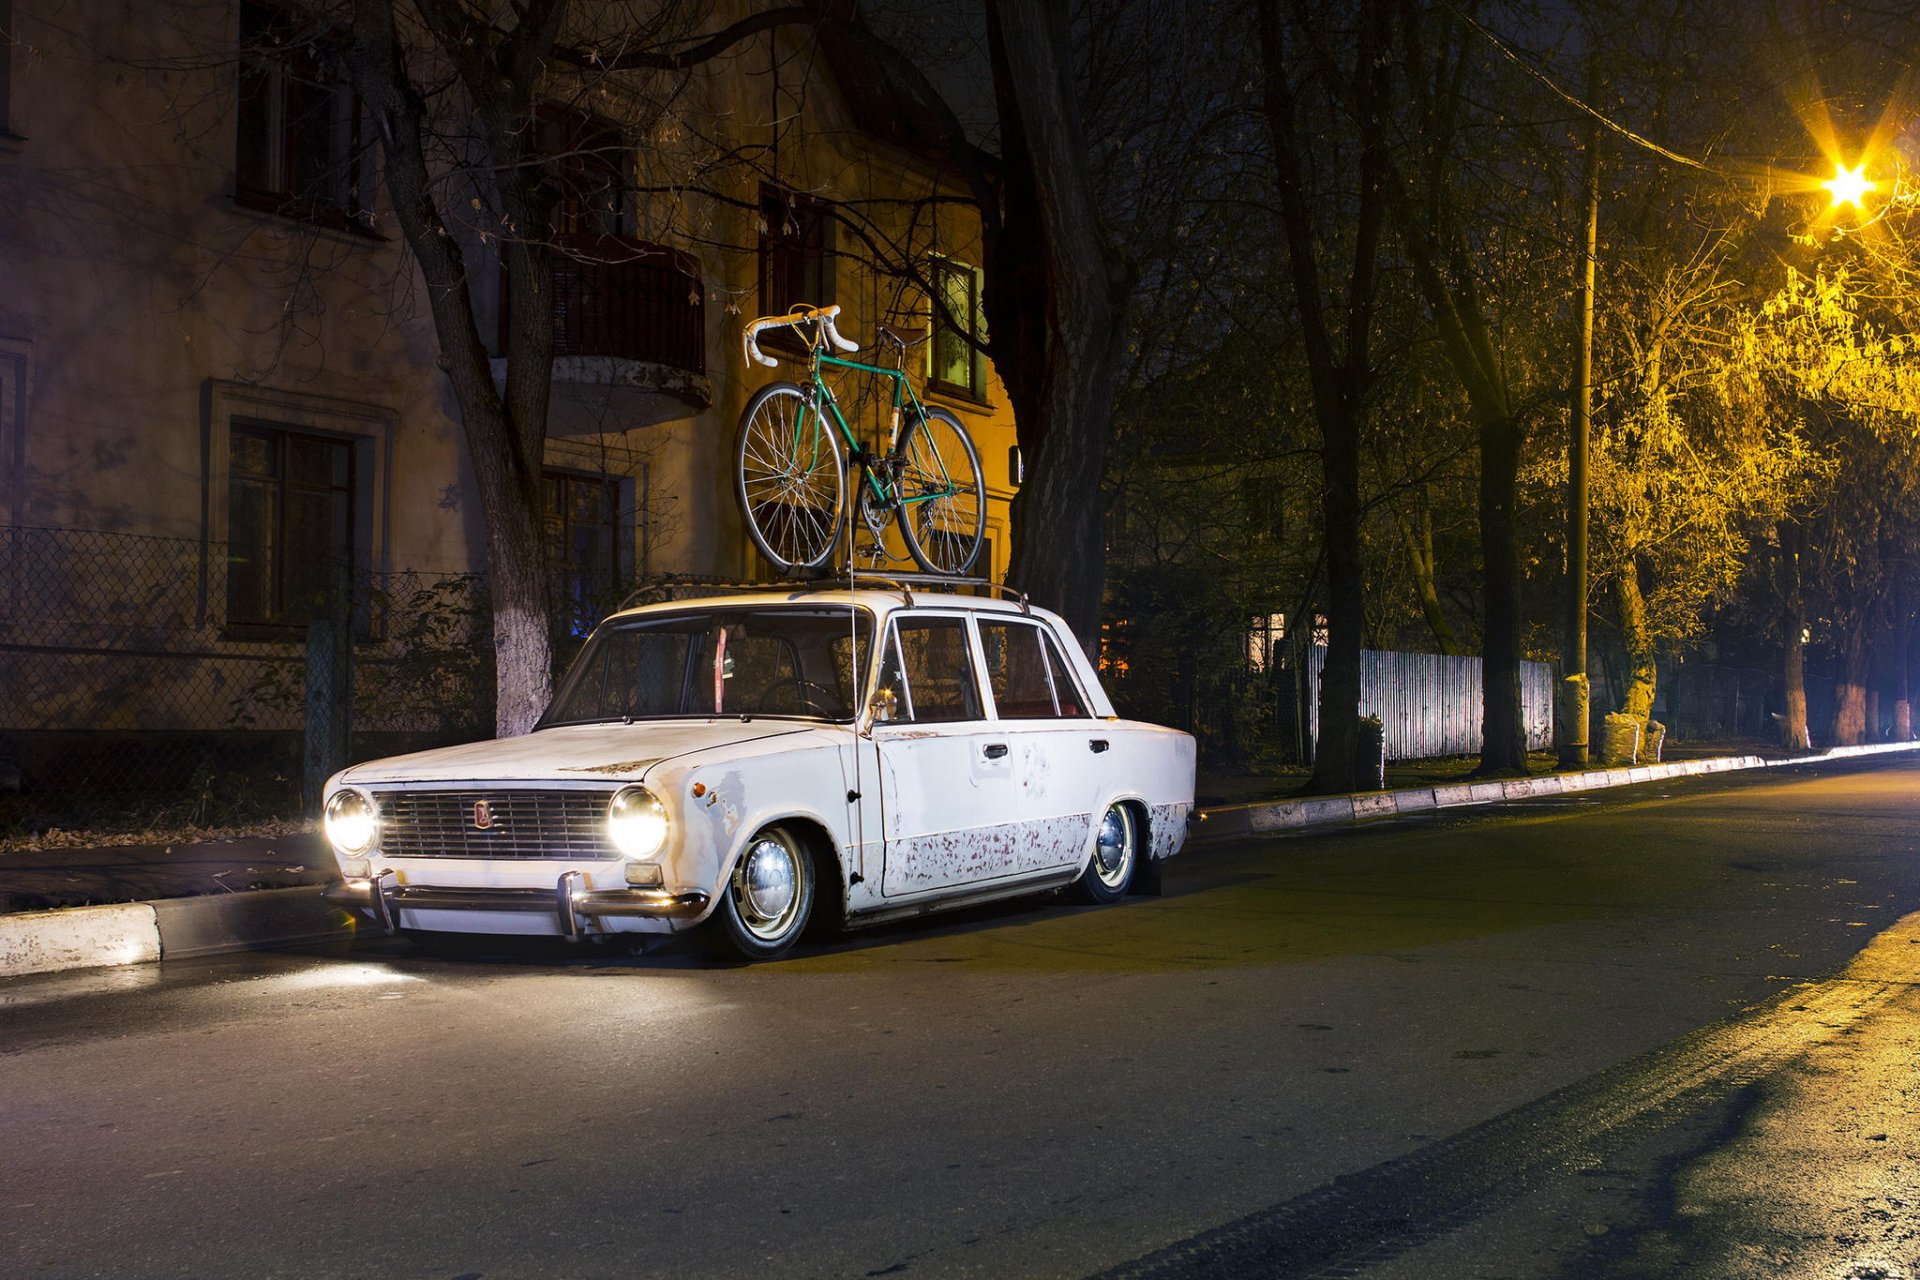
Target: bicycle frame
828, 406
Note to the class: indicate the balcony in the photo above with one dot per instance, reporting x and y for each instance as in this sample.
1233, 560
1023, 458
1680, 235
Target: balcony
627, 313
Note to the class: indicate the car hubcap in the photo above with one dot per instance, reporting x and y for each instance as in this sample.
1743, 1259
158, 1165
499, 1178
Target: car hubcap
767, 886
1113, 847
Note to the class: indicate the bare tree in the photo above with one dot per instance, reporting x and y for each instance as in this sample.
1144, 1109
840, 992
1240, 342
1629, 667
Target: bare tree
1338, 356
1055, 301
453, 92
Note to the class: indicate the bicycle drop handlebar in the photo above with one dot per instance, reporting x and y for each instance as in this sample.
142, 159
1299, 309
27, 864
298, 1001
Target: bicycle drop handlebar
822, 316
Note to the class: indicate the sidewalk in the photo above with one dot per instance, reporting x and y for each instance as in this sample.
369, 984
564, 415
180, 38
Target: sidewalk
36, 879
129, 904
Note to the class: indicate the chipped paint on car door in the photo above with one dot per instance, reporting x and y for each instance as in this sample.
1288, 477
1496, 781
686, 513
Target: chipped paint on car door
946, 772
1046, 717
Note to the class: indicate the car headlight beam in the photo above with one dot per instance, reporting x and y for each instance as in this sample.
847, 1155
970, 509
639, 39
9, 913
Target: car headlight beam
636, 822
352, 822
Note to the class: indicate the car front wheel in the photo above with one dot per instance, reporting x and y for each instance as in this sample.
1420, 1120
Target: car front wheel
1116, 849
765, 903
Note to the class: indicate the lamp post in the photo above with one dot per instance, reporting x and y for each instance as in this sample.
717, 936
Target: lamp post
1574, 704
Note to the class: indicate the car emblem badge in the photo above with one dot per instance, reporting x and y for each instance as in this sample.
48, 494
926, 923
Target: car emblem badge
482, 816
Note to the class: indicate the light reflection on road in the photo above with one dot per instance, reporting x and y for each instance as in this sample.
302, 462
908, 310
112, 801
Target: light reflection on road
1823, 1178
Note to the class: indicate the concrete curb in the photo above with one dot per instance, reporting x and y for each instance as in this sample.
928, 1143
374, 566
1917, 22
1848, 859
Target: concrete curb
172, 928
1265, 817
166, 929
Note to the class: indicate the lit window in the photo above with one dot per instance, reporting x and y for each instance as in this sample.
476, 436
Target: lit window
1265, 636
958, 328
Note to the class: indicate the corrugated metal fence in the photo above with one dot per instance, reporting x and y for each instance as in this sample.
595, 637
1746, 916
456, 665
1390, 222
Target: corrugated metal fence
1430, 704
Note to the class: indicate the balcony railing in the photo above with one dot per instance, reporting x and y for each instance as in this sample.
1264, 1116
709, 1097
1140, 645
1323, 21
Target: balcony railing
626, 300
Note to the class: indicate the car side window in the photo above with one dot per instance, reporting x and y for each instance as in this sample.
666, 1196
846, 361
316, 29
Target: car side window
1066, 690
927, 668
1028, 678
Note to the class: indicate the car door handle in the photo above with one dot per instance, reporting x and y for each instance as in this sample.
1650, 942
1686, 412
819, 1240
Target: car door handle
1097, 745
994, 750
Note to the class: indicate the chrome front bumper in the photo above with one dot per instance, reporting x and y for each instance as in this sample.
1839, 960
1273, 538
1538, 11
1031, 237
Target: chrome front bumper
569, 901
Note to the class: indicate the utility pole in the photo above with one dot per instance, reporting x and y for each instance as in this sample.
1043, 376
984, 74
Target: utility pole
1575, 690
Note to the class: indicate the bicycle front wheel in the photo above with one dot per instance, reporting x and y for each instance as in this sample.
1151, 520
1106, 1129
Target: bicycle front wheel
942, 495
789, 477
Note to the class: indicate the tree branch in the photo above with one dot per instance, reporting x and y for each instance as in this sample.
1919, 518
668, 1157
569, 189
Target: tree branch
705, 49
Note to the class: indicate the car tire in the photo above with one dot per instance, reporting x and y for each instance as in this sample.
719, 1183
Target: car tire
767, 900
1116, 852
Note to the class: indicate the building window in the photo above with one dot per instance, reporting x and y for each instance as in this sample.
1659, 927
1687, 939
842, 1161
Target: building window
1266, 640
290, 522
7, 41
587, 169
796, 252
958, 367
300, 148
582, 532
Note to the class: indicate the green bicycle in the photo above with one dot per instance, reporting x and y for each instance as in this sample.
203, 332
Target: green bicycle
794, 449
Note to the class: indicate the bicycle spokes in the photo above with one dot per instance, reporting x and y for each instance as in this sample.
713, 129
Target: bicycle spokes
942, 494
791, 479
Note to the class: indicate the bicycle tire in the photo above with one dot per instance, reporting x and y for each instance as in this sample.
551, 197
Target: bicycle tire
943, 533
789, 478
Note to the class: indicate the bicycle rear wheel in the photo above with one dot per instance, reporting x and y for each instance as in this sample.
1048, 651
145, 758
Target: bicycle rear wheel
789, 477
942, 494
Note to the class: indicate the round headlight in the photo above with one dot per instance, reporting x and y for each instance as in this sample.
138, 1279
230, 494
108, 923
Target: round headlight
351, 821
636, 822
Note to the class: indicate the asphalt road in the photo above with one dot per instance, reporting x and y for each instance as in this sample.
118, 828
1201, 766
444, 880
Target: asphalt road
1663, 1031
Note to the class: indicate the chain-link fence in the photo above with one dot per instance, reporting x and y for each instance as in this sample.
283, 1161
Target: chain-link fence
128, 699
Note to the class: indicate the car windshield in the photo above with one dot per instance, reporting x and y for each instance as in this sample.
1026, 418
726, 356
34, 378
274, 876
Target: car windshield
718, 662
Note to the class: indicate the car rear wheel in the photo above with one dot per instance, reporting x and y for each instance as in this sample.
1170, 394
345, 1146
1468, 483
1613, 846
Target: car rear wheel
768, 899
1116, 849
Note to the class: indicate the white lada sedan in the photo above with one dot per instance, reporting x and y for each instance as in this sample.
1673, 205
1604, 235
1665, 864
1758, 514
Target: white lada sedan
747, 763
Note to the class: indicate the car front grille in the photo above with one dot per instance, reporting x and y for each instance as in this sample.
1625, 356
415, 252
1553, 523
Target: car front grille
570, 824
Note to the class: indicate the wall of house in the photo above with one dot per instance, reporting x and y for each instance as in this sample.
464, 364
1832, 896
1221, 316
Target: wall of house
774, 100
149, 306
144, 311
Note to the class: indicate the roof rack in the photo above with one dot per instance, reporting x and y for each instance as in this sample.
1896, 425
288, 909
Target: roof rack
904, 583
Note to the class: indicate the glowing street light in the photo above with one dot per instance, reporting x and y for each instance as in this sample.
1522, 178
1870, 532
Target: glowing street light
1849, 186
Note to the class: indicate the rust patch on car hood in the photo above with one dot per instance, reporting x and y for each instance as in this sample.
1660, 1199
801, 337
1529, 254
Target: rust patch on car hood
615, 769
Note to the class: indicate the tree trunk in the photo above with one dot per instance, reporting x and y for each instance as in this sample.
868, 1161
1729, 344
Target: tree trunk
1850, 693
1793, 729
1643, 672
1333, 761
505, 435
1339, 371
1074, 284
1467, 340
1902, 697
1504, 745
